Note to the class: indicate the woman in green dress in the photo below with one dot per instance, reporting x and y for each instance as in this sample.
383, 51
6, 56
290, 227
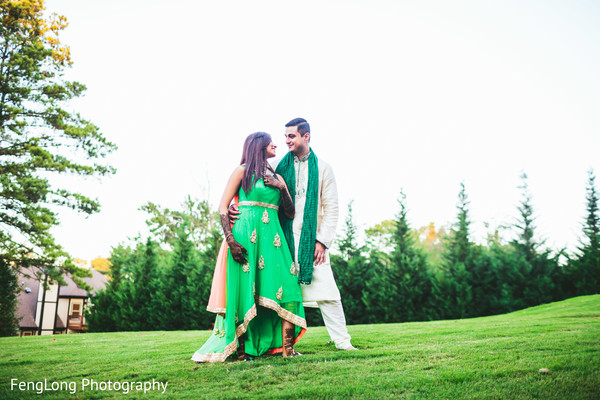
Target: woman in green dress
263, 312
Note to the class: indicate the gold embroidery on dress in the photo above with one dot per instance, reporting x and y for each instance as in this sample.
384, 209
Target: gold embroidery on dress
277, 241
261, 263
253, 237
254, 288
279, 294
246, 268
265, 217
222, 334
293, 269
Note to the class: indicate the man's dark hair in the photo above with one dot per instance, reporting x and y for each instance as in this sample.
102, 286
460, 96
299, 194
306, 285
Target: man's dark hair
301, 125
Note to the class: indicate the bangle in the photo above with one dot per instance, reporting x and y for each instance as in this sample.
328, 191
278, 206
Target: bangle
229, 235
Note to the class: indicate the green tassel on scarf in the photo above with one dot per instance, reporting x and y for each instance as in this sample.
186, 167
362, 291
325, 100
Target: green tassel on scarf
308, 237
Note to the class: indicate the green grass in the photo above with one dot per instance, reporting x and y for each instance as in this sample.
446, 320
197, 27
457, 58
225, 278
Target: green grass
496, 357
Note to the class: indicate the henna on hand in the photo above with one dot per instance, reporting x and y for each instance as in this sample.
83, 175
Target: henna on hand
237, 250
272, 181
234, 213
287, 204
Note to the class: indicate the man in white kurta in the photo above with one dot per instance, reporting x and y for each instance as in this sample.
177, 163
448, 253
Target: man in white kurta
323, 291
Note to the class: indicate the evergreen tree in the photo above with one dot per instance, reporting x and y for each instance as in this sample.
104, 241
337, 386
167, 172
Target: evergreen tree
401, 237
536, 273
9, 288
592, 226
104, 313
525, 226
352, 274
491, 267
200, 281
399, 265
176, 282
378, 289
179, 286
351, 277
147, 307
584, 270
459, 246
348, 245
112, 308
410, 280
40, 137
455, 287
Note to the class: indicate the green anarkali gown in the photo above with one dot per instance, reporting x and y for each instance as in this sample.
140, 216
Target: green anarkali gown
263, 291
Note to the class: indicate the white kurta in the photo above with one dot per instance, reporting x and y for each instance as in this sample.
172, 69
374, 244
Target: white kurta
323, 285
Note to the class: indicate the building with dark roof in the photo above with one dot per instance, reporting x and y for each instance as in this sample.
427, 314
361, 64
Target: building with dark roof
57, 309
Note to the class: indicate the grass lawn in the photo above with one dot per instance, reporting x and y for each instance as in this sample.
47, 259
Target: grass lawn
496, 357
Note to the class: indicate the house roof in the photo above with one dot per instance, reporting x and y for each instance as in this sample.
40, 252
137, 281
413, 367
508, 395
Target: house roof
27, 301
98, 282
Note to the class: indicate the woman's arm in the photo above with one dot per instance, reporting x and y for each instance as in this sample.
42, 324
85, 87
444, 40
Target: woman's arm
287, 205
233, 185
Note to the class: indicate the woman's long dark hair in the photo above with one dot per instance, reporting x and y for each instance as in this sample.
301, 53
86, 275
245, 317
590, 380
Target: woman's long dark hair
245, 149
255, 157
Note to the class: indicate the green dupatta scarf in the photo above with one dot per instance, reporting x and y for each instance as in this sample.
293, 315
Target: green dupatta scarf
308, 237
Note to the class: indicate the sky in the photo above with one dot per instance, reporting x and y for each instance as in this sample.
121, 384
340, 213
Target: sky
416, 96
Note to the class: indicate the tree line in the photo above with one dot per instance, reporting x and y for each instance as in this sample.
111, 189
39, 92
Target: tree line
460, 278
163, 282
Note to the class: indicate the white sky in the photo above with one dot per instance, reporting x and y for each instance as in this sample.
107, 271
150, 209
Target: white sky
419, 95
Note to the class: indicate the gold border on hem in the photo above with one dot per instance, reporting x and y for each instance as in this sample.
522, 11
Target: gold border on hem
231, 347
242, 328
282, 312
215, 310
213, 357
